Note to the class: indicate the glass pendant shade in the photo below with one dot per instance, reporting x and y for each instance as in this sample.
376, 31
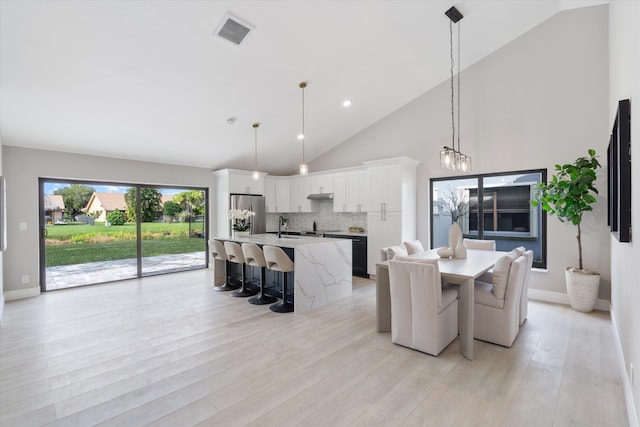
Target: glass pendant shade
256, 175
304, 168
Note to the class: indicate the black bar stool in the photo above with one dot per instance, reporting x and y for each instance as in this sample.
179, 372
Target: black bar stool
234, 253
255, 257
278, 260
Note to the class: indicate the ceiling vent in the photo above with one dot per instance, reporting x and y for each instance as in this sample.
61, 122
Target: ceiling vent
233, 29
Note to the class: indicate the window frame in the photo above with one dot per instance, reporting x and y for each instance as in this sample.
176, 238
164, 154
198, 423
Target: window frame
480, 220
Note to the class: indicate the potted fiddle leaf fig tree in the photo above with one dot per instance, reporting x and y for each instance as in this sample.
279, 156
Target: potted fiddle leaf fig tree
568, 196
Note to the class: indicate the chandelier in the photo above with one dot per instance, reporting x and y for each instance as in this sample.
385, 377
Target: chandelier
453, 158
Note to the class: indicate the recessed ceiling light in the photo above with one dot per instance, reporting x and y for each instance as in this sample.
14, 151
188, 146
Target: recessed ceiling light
346, 103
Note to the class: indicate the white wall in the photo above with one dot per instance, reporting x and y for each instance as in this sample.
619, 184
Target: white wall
540, 100
22, 169
1, 256
624, 77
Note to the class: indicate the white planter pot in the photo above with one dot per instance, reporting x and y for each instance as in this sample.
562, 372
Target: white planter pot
582, 288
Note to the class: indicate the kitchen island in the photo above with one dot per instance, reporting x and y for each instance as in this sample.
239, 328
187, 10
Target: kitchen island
322, 271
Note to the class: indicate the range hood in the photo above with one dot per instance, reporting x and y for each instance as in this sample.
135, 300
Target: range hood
320, 196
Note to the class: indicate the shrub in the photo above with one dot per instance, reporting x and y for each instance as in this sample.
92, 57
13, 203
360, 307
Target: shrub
116, 218
171, 209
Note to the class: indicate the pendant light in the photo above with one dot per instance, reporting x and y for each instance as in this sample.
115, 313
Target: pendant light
256, 174
304, 168
451, 157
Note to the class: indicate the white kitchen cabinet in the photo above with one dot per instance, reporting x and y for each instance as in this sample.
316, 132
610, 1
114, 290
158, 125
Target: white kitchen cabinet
300, 188
350, 191
270, 194
391, 206
242, 182
282, 194
356, 191
340, 192
321, 184
385, 188
276, 194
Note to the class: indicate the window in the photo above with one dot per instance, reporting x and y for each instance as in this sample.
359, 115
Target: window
491, 207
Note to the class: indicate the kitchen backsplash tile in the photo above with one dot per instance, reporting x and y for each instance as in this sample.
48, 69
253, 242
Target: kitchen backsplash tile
324, 216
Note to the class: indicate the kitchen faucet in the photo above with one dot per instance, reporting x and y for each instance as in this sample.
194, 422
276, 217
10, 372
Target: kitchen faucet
280, 222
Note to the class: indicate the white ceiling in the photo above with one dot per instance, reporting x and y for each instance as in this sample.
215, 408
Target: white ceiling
149, 80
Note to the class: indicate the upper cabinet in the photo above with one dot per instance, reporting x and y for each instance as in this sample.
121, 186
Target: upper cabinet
385, 188
276, 194
357, 189
321, 183
299, 189
350, 191
340, 192
242, 182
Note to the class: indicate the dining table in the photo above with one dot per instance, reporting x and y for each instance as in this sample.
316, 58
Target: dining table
458, 271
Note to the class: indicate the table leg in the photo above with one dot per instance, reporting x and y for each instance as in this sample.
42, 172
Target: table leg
465, 318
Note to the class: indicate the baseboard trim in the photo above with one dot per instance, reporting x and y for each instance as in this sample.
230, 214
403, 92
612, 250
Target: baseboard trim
560, 298
21, 293
632, 414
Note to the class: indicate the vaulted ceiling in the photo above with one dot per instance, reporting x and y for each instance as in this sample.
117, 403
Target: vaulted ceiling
151, 80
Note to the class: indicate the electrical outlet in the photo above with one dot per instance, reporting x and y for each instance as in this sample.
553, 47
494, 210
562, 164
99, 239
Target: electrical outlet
25, 279
23, 226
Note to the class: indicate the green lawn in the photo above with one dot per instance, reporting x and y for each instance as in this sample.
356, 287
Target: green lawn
83, 242
66, 231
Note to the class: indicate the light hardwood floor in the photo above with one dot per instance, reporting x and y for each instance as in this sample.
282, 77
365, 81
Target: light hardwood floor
170, 351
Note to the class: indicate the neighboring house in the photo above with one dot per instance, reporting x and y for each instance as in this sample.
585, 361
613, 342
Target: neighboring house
101, 204
53, 208
106, 203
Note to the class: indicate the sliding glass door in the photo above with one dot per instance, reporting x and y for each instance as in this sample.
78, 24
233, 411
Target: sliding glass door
93, 232
172, 230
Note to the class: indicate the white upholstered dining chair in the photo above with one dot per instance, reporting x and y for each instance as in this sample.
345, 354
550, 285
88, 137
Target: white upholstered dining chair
497, 304
485, 245
424, 316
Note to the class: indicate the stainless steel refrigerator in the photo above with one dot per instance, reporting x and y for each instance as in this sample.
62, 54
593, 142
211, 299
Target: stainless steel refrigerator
253, 203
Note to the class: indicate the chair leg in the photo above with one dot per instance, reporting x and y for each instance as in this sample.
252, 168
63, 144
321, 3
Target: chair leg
244, 291
263, 298
284, 306
227, 286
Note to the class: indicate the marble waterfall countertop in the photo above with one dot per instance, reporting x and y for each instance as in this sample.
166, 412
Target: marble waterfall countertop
322, 267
